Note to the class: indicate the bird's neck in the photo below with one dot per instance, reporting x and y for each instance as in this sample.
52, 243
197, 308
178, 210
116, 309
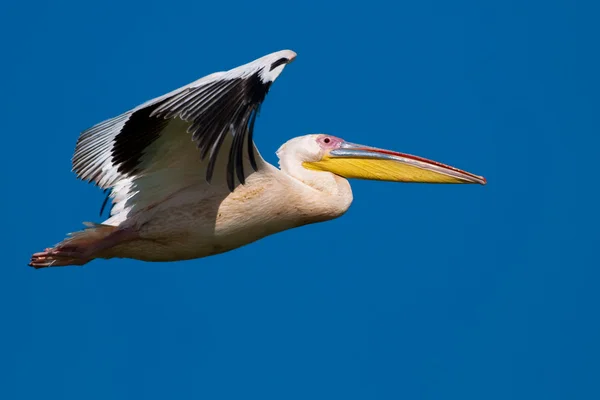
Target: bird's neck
323, 193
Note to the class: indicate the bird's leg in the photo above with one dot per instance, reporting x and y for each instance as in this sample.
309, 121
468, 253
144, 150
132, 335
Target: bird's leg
81, 249
83, 246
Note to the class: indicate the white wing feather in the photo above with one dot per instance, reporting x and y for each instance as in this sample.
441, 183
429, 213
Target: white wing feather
164, 159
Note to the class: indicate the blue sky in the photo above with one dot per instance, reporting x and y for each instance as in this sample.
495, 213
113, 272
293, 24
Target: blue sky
418, 292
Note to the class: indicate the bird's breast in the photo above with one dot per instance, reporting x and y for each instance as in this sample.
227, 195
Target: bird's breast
201, 223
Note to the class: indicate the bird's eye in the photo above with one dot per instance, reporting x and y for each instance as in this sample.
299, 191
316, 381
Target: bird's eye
328, 142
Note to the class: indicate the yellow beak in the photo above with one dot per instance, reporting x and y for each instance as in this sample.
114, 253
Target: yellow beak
362, 162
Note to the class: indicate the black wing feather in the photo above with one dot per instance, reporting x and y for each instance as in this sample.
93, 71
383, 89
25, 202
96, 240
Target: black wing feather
221, 105
215, 110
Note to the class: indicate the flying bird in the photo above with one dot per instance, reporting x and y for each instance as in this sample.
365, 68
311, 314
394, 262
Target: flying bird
187, 181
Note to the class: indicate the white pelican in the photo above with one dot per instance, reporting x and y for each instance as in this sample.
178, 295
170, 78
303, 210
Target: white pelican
186, 180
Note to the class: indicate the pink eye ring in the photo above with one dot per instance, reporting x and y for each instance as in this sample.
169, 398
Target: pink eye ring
329, 142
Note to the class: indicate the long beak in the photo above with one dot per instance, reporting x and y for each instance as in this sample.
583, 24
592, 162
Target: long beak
362, 162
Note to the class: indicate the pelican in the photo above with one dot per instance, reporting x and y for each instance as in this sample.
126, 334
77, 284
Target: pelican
186, 180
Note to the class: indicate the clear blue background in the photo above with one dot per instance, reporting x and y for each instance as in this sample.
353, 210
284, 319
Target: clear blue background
418, 292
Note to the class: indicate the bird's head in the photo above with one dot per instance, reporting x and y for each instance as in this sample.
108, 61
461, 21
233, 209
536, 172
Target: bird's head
349, 160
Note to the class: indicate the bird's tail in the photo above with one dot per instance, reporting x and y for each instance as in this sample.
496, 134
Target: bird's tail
77, 249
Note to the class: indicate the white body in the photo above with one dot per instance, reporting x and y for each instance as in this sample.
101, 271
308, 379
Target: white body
203, 220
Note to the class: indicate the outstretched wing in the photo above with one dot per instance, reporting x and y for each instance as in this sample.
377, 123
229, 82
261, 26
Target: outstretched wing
209, 110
